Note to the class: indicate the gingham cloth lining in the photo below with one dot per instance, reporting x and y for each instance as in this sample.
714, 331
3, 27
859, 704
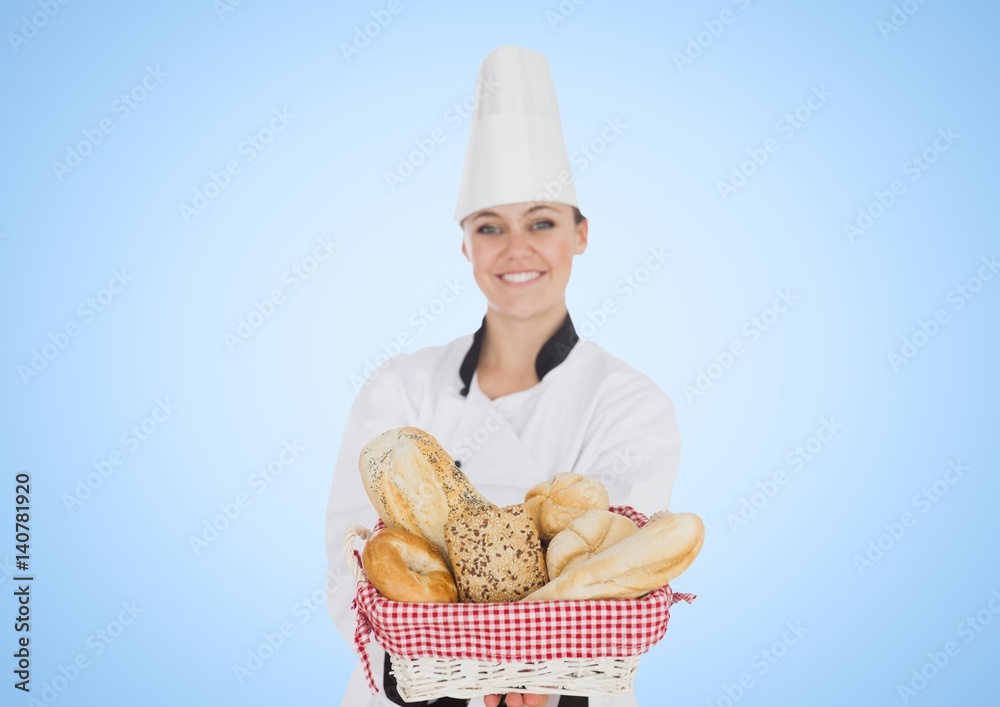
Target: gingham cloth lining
512, 632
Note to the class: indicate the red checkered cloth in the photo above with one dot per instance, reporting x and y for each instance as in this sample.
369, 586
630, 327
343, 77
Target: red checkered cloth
513, 632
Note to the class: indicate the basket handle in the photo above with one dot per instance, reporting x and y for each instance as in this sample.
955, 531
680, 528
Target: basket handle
355, 531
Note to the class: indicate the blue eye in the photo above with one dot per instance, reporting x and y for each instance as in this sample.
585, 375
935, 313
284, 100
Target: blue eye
487, 229
545, 223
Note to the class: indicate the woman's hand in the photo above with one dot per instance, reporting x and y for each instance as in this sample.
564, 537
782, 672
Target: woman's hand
516, 699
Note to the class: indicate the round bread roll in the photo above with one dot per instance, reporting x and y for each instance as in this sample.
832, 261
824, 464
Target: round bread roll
586, 536
557, 503
405, 567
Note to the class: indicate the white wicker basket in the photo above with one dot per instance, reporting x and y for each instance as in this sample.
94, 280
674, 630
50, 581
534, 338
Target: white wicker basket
432, 677
429, 678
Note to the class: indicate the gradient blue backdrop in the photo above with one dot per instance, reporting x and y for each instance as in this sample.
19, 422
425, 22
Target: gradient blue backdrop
216, 74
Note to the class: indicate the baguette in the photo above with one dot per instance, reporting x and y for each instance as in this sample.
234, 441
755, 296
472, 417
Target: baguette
650, 558
414, 484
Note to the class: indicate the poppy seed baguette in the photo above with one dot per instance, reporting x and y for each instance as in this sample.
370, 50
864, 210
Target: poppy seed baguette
414, 484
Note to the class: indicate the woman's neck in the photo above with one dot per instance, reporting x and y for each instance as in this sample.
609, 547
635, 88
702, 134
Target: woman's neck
510, 346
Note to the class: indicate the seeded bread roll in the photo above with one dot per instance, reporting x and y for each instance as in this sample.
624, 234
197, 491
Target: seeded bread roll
660, 551
557, 503
585, 537
496, 554
414, 484
405, 567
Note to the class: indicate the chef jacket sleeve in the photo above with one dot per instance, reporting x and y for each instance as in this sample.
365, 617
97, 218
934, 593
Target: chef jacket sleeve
383, 403
633, 444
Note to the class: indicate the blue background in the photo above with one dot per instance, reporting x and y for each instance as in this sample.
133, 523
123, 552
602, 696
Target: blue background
350, 119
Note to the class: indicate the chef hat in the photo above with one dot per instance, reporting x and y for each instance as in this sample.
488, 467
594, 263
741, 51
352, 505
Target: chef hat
516, 151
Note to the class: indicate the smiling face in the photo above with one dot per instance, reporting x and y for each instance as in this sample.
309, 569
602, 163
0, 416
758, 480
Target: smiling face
522, 255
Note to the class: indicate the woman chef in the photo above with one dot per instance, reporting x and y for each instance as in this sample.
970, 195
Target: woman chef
523, 398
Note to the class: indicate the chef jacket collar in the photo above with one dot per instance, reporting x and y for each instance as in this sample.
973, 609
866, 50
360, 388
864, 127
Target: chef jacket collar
553, 352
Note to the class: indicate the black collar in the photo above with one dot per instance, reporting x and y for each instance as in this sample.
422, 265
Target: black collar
553, 352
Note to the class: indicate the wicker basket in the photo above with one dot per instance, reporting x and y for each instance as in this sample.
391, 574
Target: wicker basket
591, 647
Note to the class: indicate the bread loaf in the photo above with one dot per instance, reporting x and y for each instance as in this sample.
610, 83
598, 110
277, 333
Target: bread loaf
660, 551
405, 567
585, 537
496, 554
557, 503
414, 484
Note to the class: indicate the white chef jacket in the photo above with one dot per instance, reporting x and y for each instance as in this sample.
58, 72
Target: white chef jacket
590, 413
